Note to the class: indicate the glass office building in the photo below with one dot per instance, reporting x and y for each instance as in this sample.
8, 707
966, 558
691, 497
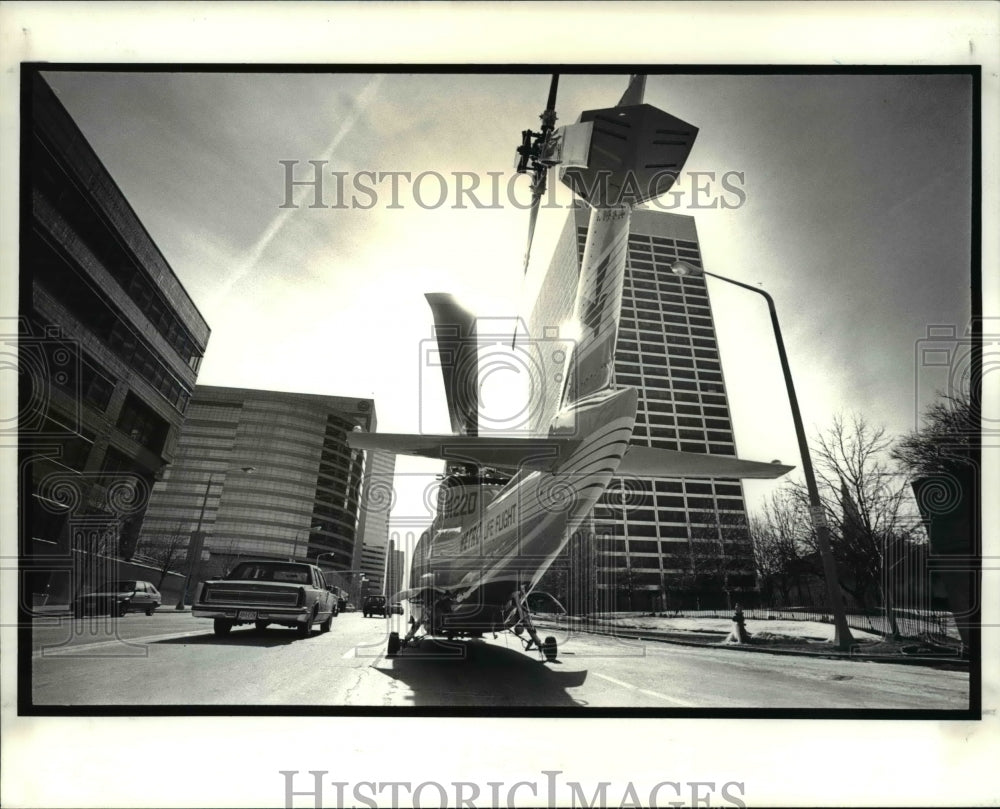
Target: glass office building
265, 474
680, 540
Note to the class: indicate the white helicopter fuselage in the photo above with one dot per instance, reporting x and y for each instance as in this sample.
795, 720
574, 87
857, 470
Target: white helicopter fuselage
508, 544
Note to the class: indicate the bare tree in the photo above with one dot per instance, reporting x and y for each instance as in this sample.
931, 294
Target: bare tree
167, 549
223, 556
720, 557
949, 437
867, 501
778, 534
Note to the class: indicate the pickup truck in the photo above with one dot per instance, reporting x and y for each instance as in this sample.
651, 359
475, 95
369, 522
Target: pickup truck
263, 592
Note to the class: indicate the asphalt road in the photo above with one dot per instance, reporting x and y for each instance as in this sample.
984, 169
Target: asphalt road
174, 659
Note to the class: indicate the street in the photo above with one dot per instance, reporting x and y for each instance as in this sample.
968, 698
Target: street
173, 659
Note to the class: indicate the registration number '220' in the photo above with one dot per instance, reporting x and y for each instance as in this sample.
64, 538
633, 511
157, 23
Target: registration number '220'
246, 615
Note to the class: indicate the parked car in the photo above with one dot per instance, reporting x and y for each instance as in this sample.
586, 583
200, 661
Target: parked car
265, 592
373, 605
118, 598
396, 608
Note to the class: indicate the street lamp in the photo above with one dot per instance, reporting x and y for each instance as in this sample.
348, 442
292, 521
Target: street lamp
295, 547
198, 539
842, 633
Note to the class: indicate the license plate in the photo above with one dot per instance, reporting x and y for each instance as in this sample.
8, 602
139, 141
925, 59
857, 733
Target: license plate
246, 615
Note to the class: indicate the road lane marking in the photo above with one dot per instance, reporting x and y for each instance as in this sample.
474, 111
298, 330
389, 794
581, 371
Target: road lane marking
645, 691
68, 650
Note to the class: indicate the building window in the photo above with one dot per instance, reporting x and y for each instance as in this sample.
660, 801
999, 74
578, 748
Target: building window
140, 423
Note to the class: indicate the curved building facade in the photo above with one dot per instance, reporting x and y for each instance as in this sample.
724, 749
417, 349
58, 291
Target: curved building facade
264, 474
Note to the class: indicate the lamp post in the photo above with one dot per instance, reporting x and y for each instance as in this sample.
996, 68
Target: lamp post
295, 547
842, 633
198, 538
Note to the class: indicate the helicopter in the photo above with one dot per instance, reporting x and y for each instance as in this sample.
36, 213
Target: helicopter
508, 505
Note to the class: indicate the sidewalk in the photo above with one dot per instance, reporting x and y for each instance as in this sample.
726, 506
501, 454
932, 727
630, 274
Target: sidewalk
783, 637
56, 610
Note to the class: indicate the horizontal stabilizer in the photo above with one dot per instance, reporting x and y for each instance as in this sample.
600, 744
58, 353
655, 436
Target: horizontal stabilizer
541, 454
545, 454
652, 462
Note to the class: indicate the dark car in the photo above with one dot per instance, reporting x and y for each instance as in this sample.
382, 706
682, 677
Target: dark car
373, 605
267, 591
118, 598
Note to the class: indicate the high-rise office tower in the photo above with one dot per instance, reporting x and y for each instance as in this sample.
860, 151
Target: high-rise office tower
395, 569
376, 502
682, 540
373, 566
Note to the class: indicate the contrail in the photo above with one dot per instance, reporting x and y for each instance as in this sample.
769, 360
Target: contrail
365, 97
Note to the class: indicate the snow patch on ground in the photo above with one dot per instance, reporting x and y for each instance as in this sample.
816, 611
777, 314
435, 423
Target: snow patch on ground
764, 630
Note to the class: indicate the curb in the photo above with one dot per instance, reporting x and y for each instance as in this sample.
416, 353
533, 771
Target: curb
661, 637
66, 612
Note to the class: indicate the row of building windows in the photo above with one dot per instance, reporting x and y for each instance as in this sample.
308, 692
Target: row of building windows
667, 305
654, 406
635, 489
90, 224
276, 477
659, 341
713, 403
643, 252
669, 434
69, 368
677, 505
306, 420
57, 274
667, 419
677, 547
631, 375
656, 367
655, 345
606, 511
250, 523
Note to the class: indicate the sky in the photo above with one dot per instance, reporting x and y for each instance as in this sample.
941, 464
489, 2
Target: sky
852, 210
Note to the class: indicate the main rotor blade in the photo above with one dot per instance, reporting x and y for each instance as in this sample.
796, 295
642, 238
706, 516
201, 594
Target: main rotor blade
550, 105
536, 199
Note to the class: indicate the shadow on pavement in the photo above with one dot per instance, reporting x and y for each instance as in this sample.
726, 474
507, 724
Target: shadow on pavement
240, 637
444, 673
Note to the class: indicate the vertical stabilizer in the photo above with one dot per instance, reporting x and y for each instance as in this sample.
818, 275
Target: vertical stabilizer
458, 354
634, 92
